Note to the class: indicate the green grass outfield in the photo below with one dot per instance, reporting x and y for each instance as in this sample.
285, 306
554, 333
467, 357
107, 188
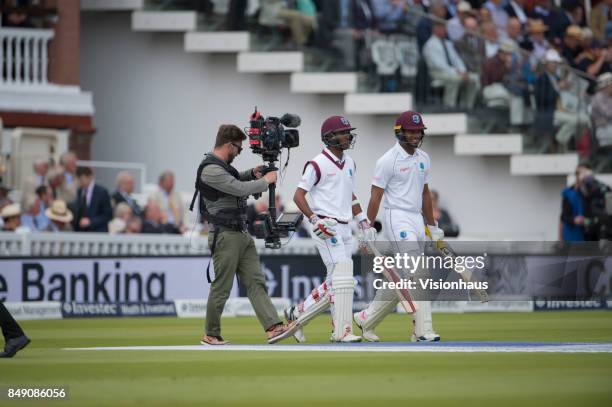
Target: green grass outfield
168, 378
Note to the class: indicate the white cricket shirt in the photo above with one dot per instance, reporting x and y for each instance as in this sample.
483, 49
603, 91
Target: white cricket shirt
403, 177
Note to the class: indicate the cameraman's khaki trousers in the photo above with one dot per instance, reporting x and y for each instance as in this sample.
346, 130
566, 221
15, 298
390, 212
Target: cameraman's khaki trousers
235, 254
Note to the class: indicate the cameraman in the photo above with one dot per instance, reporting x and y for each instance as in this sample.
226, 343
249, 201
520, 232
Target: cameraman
597, 222
223, 194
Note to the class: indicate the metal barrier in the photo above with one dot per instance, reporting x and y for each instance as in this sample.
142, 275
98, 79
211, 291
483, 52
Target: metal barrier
43, 244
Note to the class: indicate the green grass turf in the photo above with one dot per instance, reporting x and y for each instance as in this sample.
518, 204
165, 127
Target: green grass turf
275, 379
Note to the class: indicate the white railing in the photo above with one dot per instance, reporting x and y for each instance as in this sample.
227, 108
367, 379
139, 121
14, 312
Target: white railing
23, 56
43, 244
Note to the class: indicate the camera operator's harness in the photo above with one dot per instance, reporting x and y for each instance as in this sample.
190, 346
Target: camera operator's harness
229, 218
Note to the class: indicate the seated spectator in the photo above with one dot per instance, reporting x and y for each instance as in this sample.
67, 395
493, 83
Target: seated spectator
571, 44
595, 61
169, 200
134, 225
471, 47
125, 188
537, 42
11, 218
425, 25
446, 66
391, 15
456, 25
601, 113
499, 15
155, 220
123, 213
586, 37
600, 16
514, 31
60, 217
442, 217
300, 18
92, 209
489, 32
59, 188
502, 82
45, 195
34, 218
558, 112
4, 198
16, 16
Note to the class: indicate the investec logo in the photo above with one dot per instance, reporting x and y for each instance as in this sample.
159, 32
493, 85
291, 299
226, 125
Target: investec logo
97, 286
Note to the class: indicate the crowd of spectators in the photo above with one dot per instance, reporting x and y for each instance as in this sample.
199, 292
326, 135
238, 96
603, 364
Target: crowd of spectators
65, 197
538, 61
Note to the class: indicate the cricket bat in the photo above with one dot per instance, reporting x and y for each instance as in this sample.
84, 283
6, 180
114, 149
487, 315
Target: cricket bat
391, 274
466, 275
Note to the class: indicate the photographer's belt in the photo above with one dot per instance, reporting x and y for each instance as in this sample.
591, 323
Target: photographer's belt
220, 225
342, 222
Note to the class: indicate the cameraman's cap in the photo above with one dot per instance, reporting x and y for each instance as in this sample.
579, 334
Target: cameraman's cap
335, 123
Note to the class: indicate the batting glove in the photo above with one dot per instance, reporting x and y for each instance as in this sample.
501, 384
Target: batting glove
435, 232
366, 232
324, 228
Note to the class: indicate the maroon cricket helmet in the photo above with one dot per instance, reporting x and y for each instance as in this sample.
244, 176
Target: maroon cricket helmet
334, 124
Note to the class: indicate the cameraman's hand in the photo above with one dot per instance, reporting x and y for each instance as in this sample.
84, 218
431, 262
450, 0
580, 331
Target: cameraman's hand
271, 177
258, 171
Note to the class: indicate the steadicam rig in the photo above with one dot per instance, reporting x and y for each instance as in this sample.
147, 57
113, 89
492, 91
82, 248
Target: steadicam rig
267, 137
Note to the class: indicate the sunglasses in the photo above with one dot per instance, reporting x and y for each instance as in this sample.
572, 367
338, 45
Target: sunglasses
239, 147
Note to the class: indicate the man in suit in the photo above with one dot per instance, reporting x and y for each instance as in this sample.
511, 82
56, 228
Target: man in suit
446, 66
125, 188
92, 208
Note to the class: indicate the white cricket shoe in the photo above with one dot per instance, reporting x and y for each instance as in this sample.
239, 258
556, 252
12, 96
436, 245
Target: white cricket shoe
290, 316
426, 337
347, 338
368, 336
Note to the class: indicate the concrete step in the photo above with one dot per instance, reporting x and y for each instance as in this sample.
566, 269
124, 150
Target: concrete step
488, 144
270, 62
166, 21
217, 42
377, 103
445, 124
543, 164
111, 5
335, 82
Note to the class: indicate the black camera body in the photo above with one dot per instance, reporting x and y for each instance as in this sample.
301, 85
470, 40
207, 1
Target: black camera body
268, 136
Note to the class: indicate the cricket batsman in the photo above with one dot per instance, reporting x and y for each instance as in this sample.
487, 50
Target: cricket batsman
401, 182
328, 180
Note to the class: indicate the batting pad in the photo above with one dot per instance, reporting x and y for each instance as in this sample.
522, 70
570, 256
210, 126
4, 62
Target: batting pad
343, 287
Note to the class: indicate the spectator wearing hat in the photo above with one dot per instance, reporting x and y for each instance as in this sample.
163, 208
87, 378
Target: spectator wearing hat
471, 46
60, 217
446, 66
456, 25
537, 42
92, 209
601, 114
503, 82
571, 44
11, 216
551, 111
